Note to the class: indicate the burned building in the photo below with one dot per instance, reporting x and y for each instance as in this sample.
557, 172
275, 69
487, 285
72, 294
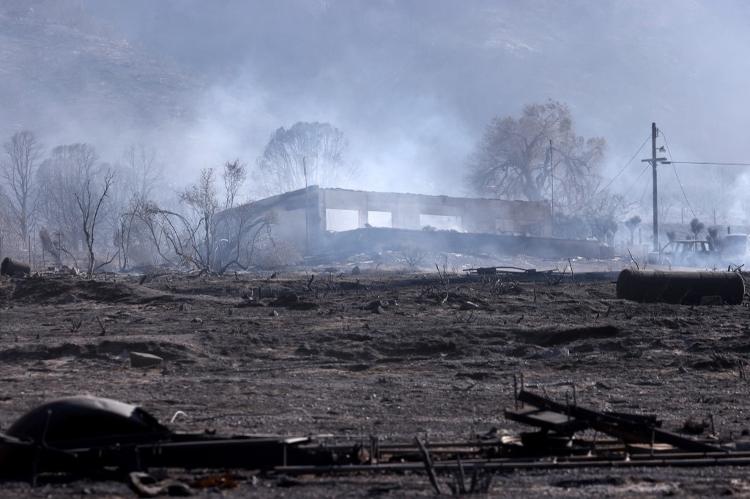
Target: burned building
341, 221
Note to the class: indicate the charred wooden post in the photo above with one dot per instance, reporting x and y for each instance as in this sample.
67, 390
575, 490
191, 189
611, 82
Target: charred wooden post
686, 288
14, 269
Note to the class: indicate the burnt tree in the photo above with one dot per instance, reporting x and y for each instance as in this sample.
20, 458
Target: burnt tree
19, 172
529, 156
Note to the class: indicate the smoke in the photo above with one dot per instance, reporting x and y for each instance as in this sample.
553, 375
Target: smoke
413, 84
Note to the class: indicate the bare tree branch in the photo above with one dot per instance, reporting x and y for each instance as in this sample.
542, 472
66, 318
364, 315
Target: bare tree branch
305, 154
90, 205
19, 172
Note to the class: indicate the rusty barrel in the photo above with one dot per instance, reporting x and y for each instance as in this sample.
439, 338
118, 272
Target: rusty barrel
14, 269
686, 288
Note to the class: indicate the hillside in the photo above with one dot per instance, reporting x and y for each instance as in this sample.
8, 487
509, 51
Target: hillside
60, 69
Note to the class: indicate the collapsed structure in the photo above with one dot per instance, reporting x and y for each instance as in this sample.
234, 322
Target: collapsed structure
341, 221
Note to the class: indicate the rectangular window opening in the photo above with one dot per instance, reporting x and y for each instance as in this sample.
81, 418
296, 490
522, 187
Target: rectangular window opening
440, 222
341, 220
380, 219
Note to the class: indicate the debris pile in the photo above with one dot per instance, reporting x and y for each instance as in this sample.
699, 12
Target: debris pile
83, 436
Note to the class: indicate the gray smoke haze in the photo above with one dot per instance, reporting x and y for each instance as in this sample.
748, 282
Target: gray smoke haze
413, 84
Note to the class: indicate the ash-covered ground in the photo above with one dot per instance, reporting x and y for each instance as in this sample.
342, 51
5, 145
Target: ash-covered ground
393, 354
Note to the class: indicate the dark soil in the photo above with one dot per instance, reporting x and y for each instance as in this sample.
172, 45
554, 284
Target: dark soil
387, 354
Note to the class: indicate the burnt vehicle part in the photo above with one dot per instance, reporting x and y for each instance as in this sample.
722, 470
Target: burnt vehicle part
50, 436
86, 435
678, 287
79, 421
691, 253
734, 247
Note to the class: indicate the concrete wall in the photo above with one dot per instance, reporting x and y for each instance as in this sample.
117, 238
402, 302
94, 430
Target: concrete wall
287, 213
475, 215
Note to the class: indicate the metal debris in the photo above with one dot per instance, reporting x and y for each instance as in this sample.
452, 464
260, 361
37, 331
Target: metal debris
85, 435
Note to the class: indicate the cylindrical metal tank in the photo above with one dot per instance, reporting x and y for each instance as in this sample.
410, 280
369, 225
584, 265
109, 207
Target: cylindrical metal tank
14, 269
687, 288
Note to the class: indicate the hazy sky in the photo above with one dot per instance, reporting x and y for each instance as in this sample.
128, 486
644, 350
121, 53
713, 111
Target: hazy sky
413, 83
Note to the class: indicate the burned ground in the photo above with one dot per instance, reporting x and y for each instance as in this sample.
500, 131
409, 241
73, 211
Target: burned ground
391, 354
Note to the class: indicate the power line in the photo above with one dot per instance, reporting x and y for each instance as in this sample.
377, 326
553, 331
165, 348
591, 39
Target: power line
712, 163
639, 176
666, 144
626, 164
645, 186
679, 182
634, 181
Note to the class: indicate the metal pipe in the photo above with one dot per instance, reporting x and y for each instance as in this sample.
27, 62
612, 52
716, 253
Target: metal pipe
685, 288
490, 465
14, 269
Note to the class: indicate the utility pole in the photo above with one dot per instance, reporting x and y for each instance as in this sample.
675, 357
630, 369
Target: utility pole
654, 132
552, 176
307, 207
654, 161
